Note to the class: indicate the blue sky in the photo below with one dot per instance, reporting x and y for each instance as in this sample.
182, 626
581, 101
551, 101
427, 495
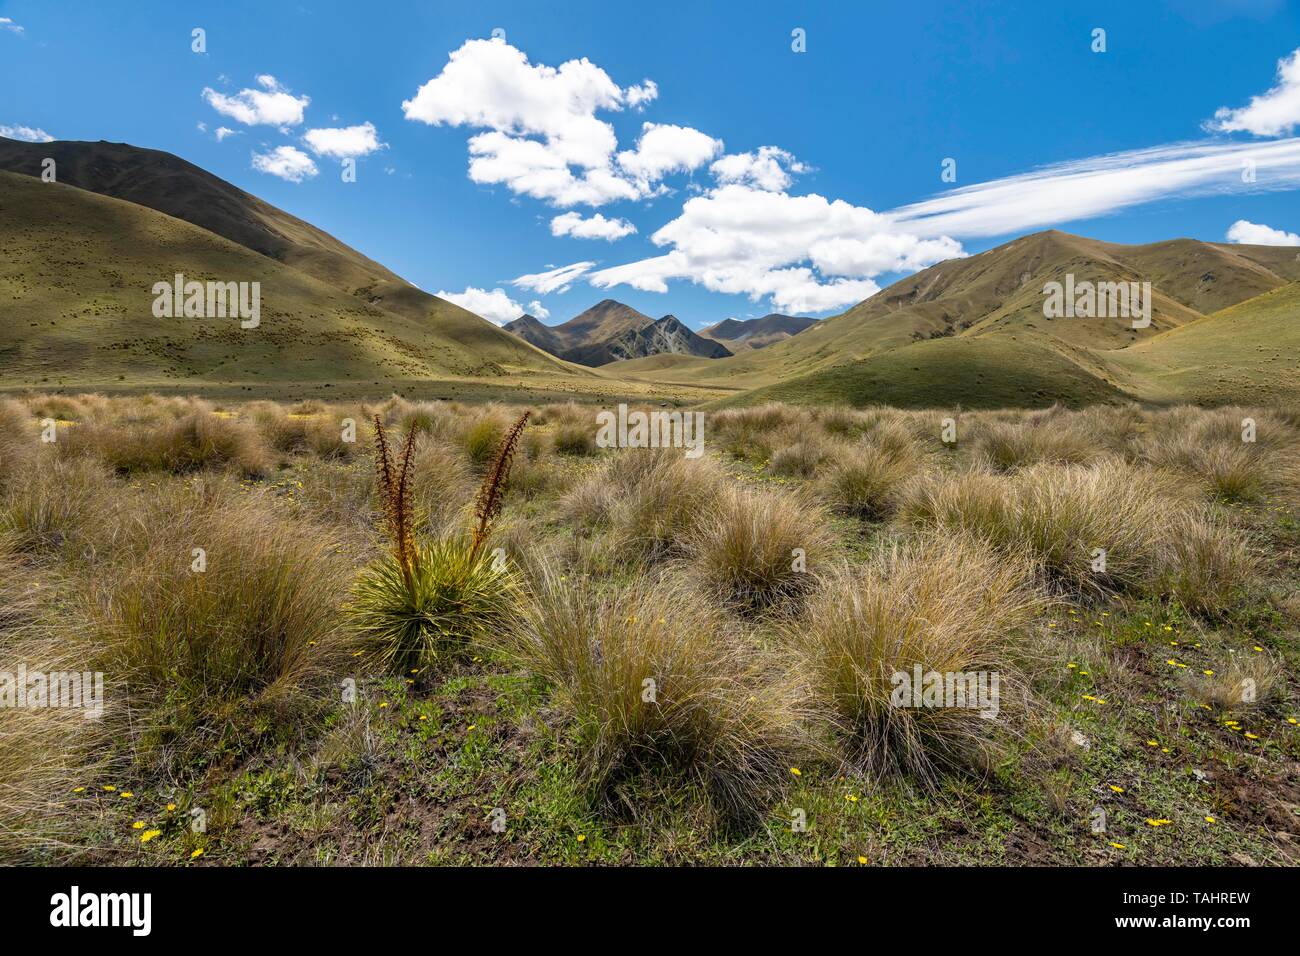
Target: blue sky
773, 180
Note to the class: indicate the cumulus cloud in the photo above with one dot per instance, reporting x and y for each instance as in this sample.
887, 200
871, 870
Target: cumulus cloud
556, 280
495, 306
287, 162
1257, 234
593, 227
346, 142
538, 311
273, 105
29, 134
769, 167
807, 253
1272, 113
664, 149
540, 133
223, 131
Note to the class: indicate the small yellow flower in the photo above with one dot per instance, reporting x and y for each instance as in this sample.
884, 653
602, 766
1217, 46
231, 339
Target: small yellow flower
1292, 720
1210, 820
126, 794
1158, 822
109, 787
1119, 846
196, 854
1250, 736
138, 825
1117, 789
1258, 649
796, 771
149, 835
582, 837
83, 789
424, 716
851, 797
1153, 743
383, 704
171, 807
1071, 665
862, 860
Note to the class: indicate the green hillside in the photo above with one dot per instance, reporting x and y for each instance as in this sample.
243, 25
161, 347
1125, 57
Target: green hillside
76, 281
170, 185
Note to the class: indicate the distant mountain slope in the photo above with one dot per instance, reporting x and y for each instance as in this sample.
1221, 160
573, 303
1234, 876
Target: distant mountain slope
740, 334
666, 336
76, 279
610, 332
168, 184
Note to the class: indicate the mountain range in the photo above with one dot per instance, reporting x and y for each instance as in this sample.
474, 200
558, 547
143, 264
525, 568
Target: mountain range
610, 332
741, 334
81, 255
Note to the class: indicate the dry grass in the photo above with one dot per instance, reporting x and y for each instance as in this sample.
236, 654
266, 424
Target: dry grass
756, 550
656, 681
946, 604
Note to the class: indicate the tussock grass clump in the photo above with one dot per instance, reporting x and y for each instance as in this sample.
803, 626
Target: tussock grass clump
946, 603
482, 438
755, 550
653, 517
19, 438
1005, 446
575, 439
865, 481
199, 440
50, 504
423, 603
1246, 683
800, 459
660, 690
1155, 537
204, 651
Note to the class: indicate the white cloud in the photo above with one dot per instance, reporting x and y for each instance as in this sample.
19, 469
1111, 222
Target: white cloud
344, 142
223, 131
538, 311
594, 227
8, 24
807, 253
29, 134
273, 105
540, 135
664, 149
1098, 185
495, 306
555, 280
1269, 114
767, 168
638, 96
287, 162
1256, 234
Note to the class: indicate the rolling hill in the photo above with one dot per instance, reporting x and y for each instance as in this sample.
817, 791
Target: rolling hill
996, 297
167, 184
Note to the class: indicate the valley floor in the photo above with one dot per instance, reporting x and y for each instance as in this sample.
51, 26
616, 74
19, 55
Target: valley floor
254, 715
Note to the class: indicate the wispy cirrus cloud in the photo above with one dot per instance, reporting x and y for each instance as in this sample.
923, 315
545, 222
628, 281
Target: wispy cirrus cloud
555, 280
1100, 185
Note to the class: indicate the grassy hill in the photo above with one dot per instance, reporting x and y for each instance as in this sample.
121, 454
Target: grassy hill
168, 184
76, 281
915, 342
